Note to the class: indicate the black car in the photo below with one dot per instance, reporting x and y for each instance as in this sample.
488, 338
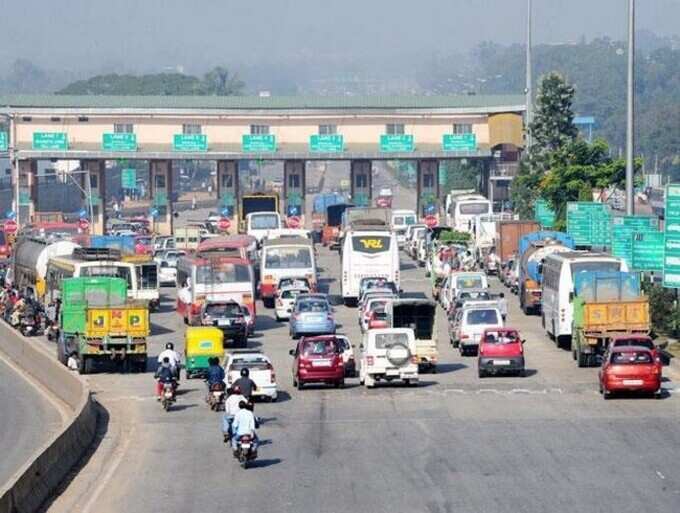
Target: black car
229, 317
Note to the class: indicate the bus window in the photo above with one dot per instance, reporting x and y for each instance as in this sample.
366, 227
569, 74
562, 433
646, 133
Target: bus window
222, 273
288, 258
147, 276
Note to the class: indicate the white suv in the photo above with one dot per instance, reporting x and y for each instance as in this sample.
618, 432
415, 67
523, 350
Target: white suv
387, 355
470, 323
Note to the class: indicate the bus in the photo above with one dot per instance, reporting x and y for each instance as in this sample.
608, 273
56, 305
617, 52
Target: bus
559, 274
366, 254
285, 258
216, 278
241, 246
141, 273
462, 210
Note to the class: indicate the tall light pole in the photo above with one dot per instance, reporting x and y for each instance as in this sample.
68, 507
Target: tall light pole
630, 114
529, 97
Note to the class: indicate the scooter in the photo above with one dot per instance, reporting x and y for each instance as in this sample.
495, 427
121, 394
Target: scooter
245, 450
215, 396
168, 395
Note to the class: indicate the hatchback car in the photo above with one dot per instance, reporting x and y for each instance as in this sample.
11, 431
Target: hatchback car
501, 351
371, 310
318, 360
630, 369
312, 315
469, 325
636, 340
285, 299
228, 317
260, 368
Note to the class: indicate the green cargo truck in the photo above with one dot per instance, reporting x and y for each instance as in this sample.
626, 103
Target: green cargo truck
98, 322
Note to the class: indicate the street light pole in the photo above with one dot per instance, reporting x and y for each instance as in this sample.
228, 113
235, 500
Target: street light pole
630, 114
529, 96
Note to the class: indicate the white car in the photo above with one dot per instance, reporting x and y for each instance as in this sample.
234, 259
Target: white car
412, 241
470, 323
261, 372
167, 273
388, 355
421, 251
285, 299
348, 359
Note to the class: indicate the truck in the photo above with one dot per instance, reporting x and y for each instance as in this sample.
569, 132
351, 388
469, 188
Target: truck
533, 248
319, 211
508, 234
606, 305
420, 315
97, 322
258, 202
331, 231
485, 234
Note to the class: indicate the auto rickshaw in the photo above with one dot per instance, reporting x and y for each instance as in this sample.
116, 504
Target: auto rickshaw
200, 344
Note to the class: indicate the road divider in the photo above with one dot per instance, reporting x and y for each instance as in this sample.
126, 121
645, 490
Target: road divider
37, 480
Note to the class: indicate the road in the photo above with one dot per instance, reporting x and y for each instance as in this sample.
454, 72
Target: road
22, 405
547, 442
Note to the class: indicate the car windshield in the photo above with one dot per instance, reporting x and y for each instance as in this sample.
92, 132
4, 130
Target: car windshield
312, 306
253, 363
501, 337
477, 317
291, 294
288, 258
386, 340
474, 208
622, 342
477, 296
264, 222
318, 347
631, 358
469, 282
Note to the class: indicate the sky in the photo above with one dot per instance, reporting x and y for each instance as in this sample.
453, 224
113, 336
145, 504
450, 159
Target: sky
152, 35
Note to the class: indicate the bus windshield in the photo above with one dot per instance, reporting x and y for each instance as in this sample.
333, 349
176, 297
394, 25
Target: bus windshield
113, 271
474, 209
222, 273
288, 258
264, 222
579, 267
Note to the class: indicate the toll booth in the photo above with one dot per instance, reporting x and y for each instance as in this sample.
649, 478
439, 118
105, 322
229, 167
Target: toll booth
428, 188
93, 170
294, 177
160, 178
361, 182
228, 191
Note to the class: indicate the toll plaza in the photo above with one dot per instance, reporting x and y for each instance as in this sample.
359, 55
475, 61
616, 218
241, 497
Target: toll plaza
165, 130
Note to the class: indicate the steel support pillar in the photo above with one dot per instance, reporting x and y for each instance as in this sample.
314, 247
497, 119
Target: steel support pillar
428, 188
361, 182
294, 175
160, 178
228, 191
94, 184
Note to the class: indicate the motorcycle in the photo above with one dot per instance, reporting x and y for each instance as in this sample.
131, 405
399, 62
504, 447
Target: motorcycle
28, 325
215, 396
168, 395
245, 451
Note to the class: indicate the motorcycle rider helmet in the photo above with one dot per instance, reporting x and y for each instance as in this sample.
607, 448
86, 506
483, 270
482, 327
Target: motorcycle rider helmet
170, 346
245, 372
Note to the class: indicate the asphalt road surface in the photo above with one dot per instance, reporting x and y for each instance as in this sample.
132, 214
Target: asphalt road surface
547, 442
26, 421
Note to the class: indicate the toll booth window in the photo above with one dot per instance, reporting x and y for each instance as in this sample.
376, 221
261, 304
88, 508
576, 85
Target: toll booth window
394, 129
462, 128
259, 129
360, 181
428, 181
123, 128
191, 129
227, 181
328, 129
94, 181
294, 181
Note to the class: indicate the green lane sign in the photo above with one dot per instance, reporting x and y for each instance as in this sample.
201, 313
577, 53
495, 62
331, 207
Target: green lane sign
402, 143
258, 143
326, 143
119, 142
50, 141
128, 178
4, 141
589, 223
190, 142
647, 251
543, 214
459, 142
671, 259
623, 228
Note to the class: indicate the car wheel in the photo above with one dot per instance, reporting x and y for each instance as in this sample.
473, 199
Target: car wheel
481, 373
606, 394
299, 385
369, 382
278, 319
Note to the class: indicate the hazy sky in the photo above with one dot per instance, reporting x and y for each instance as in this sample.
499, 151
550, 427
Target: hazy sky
153, 34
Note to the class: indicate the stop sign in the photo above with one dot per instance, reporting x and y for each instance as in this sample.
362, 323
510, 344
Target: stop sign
84, 225
431, 221
10, 226
223, 224
383, 202
293, 222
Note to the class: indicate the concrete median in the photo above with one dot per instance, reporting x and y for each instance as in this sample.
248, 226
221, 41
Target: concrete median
37, 480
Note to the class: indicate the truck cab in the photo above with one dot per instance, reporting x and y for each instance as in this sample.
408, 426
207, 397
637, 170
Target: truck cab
260, 224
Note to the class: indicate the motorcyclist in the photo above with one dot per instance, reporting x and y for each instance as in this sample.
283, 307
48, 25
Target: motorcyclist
18, 310
173, 357
231, 408
215, 374
244, 424
467, 261
246, 384
164, 375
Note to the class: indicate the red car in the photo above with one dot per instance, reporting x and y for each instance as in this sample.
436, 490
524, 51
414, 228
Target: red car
637, 340
630, 368
501, 350
318, 360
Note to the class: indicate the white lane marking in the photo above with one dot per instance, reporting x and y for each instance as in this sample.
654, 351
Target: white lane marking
661, 476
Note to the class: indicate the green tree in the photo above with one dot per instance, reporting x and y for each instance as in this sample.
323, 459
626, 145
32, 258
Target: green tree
220, 82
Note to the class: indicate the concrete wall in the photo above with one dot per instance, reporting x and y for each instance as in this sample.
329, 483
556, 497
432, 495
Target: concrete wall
32, 485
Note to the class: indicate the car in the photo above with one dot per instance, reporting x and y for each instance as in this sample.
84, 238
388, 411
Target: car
260, 368
373, 284
469, 325
501, 351
388, 355
411, 231
465, 295
167, 273
285, 299
228, 317
318, 360
311, 315
347, 350
421, 251
636, 340
629, 369
412, 244
373, 310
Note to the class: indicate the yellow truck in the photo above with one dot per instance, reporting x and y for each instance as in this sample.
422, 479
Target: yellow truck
606, 305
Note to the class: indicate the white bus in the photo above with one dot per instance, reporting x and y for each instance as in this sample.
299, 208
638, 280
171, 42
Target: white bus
288, 257
368, 254
463, 210
559, 272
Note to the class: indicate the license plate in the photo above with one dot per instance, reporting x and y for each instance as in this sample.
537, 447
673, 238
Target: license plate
629, 382
317, 318
321, 363
245, 446
223, 322
501, 362
393, 372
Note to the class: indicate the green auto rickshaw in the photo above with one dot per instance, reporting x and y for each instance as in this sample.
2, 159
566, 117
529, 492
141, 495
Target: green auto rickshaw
200, 344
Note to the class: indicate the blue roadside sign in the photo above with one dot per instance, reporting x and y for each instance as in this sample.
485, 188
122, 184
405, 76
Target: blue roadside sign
83, 214
154, 212
10, 214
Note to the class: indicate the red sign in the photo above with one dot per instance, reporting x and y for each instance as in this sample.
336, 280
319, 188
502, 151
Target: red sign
223, 224
431, 221
84, 225
11, 226
293, 222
